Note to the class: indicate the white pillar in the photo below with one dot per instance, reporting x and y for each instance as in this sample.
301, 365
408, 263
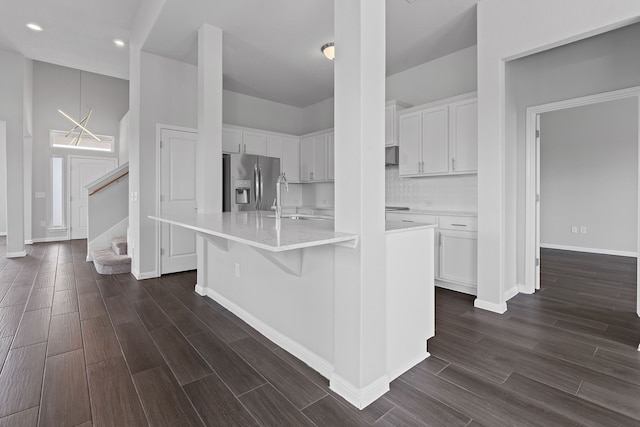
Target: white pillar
360, 374
209, 148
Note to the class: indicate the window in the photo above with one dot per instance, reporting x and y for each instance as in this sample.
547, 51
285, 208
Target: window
57, 192
64, 139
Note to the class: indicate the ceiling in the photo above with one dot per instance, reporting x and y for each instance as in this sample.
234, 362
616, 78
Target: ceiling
271, 48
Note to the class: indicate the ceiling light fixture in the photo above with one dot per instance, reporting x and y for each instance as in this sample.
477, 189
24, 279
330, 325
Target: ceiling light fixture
118, 42
329, 50
34, 26
83, 124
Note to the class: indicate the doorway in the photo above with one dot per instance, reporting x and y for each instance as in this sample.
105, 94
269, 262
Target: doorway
574, 231
82, 171
176, 196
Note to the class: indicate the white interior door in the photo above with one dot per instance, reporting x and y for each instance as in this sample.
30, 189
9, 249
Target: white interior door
82, 171
177, 196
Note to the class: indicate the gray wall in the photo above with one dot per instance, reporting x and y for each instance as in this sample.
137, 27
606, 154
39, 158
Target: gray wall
589, 176
602, 63
11, 111
56, 87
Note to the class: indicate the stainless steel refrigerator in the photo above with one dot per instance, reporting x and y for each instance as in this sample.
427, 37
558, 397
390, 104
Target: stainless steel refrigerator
249, 182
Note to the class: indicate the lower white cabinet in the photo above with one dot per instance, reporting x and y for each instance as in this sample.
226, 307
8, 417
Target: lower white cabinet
456, 249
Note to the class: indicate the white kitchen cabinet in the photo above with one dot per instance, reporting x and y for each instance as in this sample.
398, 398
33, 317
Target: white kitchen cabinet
274, 147
231, 140
244, 141
290, 160
439, 138
464, 135
458, 253
391, 121
316, 156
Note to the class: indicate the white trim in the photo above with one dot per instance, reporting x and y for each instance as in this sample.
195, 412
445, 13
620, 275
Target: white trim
458, 287
319, 364
359, 397
531, 162
50, 239
3, 233
511, 292
399, 371
158, 224
28, 241
590, 250
522, 290
144, 276
490, 306
16, 254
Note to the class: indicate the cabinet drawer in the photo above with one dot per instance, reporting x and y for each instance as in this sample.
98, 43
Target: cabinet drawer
462, 223
418, 218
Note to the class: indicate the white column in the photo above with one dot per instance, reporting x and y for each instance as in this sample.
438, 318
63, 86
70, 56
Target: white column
360, 374
209, 148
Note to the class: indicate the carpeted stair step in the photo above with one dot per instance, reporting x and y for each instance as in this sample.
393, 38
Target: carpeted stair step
106, 261
119, 245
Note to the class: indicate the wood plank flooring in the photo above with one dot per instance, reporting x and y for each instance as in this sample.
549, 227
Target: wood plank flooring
78, 348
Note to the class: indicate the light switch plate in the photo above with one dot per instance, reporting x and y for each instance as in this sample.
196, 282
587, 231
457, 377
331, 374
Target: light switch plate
40, 194
583, 229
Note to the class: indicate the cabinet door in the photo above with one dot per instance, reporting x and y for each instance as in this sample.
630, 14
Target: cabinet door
231, 140
330, 157
274, 147
464, 136
254, 143
458, 256
390, 126
435, 140
290, 162
410, 131
307, 154
320, 158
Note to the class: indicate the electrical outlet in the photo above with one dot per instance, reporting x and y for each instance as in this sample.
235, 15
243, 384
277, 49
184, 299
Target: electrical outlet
237, 269
583, 229
574, 228
43, 223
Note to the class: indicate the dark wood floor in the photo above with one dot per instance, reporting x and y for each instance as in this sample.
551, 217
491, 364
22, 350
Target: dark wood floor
82, 349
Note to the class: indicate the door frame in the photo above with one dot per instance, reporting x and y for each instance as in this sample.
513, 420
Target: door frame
532, 172
68, 159
158, 225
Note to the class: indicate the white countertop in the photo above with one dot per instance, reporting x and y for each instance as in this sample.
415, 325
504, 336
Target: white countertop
261, 230
434, 212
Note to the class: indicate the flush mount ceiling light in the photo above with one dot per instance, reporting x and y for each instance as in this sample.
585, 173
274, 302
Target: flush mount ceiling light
118, 42
83, 124
33, 26
329, 50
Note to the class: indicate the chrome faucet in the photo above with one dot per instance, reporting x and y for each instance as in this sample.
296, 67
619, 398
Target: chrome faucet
277, 203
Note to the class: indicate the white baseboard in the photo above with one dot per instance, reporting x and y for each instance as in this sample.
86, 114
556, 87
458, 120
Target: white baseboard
490, 306
511, 292
458, 287
359, 397
200, 290
399, 371
316, 362
49, 239
16, 254
3, 233
145, 275
589, 250
28, 242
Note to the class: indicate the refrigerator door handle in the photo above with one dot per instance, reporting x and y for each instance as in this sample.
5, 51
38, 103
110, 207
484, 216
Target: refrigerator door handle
256, 184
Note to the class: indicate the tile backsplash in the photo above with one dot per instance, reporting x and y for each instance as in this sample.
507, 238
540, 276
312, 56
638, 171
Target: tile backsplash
448, 193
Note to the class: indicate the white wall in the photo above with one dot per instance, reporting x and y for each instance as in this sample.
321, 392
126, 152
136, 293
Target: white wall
123, 139
507, 30
168, 95
56, 87
602, 63
249, 111
589, 176
27, 122
11, 111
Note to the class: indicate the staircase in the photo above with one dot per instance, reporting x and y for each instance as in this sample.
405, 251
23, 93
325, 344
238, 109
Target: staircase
113, 260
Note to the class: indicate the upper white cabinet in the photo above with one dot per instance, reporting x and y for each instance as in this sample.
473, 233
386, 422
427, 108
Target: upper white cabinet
316, 156
244, 141
439, 138
290, 160
391, 109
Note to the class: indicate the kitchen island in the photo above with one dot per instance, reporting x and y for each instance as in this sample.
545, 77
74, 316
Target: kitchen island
278, 276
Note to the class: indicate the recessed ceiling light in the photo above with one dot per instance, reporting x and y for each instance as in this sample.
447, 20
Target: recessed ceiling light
34, 27
118, 42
